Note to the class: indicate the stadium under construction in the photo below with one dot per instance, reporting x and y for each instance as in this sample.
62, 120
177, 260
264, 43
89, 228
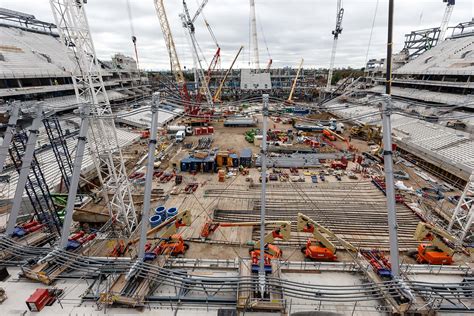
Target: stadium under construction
227, 191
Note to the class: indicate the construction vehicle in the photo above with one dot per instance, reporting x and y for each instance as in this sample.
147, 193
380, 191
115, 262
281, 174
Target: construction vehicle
323, 249
327, 132
440, 250
170, 243
367, 132
283, 232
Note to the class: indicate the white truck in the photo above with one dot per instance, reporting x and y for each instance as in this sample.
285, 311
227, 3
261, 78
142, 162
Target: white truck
180, 135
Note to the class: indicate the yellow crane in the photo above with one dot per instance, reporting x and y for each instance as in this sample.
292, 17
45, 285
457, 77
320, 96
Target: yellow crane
217, 95
174, 60
293, 87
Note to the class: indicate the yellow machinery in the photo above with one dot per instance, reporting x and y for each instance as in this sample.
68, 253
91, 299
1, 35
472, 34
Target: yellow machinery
217, 95
367, 132
293, 87
439, 251
324, 250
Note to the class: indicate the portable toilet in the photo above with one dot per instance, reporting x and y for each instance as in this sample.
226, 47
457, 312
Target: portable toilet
233, 161
246, 157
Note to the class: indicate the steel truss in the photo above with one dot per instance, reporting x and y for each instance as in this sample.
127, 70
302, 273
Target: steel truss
73, 28
463, 214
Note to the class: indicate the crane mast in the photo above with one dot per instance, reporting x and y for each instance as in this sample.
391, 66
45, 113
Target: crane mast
335, 32
73, 28
446, 17
174, 60
188, 23
253, 27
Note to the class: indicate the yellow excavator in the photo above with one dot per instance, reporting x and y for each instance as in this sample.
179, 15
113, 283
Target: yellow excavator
367, 132
441, 248
321, 249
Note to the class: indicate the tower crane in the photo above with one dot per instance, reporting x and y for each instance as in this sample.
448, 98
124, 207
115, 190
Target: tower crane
73, 28
174, 60
446, 17
188, 23
253, 28
335, 32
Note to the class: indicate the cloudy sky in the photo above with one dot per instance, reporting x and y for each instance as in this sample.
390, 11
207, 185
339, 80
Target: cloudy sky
291, 29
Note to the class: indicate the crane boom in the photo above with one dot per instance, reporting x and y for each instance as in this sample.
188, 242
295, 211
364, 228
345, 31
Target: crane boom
335, 32
446, 17
253, 26
189, 25
217, 95
169, 41
293, 86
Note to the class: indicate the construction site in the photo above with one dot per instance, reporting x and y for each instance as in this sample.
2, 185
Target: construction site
226, 191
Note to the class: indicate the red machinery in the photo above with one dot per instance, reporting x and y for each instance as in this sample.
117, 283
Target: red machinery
170, 242
39, 299
441, 247
323, 249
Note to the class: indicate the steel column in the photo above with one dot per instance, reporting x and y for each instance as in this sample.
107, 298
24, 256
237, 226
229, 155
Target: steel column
261, 271
149, 175
389, 184
25, 170
76, 173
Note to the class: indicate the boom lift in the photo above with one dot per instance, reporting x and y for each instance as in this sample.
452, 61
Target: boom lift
439, 251
324, 250
283, 232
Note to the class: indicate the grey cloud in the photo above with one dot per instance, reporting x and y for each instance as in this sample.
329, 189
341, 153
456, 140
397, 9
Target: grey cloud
291, 28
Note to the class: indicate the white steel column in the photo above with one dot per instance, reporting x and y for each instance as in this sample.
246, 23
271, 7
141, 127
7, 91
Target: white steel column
76, 173
389, 184
149, 175
263, 158
25, 170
